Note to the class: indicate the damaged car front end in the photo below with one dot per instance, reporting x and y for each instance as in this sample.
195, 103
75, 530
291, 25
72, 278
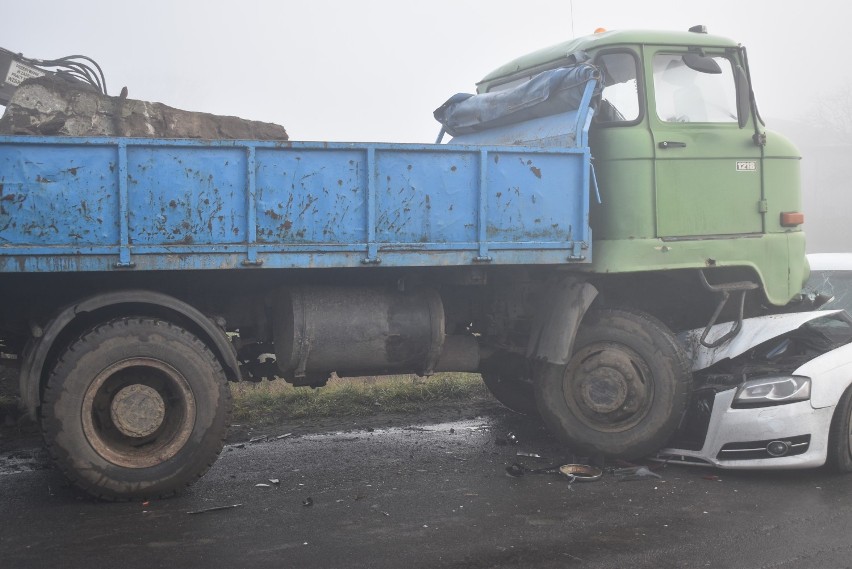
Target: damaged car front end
777, 396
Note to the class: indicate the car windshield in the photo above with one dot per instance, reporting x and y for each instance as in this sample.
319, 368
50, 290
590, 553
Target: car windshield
837, 284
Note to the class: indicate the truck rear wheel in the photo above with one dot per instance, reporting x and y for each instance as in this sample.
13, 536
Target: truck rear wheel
135, 408
507, 378
624, 390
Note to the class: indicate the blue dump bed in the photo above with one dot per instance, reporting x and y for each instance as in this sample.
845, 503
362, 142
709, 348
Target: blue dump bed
101, 204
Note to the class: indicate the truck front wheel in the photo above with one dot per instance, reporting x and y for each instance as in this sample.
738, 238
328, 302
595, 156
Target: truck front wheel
624, 390
135, 408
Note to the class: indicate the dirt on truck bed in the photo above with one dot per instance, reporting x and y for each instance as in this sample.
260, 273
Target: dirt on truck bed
54, 106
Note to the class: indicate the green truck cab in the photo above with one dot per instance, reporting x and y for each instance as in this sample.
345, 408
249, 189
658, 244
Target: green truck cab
695, 219
688, 176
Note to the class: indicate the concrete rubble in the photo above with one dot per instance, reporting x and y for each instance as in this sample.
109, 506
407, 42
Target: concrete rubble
53, 106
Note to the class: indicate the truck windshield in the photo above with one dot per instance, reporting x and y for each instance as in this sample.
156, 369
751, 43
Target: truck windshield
684, 94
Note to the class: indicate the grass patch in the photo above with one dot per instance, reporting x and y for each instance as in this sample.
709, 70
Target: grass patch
271, 401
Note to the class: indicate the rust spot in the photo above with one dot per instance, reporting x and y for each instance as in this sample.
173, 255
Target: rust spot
8, 197
287, 225
453, 168
496, 158
273, 214
499, 195
536, 172
173, 203
72, 171
340, 183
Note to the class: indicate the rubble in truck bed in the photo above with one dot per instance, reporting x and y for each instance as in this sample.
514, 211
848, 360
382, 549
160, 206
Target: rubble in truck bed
55, 106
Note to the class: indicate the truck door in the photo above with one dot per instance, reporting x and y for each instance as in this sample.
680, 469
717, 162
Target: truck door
707, 168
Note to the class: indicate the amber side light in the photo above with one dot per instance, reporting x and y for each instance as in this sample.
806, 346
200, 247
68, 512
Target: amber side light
600, 30
792, 218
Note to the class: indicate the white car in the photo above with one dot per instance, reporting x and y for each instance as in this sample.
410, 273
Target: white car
779, 394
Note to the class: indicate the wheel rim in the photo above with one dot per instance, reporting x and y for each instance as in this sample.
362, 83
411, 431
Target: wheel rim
138, 412
608, 386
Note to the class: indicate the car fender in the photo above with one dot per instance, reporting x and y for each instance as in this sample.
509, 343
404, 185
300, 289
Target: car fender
831, 375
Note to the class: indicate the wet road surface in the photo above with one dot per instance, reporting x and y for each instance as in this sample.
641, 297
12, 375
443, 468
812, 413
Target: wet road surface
428, 496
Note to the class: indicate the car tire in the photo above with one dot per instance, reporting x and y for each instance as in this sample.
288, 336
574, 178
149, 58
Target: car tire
840, 435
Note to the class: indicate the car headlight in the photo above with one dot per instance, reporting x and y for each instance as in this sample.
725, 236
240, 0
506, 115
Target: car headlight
773, 391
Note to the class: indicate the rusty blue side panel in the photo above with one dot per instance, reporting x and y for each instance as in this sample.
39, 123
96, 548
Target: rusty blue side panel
102, 204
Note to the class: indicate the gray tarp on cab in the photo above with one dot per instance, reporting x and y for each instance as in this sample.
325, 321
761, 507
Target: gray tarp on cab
550, 92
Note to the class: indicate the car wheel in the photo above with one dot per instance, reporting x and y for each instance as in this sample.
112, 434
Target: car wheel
840, 435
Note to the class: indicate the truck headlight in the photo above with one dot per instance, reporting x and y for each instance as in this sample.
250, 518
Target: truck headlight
773, 391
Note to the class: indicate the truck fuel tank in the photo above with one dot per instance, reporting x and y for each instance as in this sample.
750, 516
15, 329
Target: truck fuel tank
365, 330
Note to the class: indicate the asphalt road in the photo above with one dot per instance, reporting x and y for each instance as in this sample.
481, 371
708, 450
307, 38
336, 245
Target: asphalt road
428, 496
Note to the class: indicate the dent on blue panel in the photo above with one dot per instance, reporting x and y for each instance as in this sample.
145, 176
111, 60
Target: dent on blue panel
311, 196
425, 197
186, 195
55, 195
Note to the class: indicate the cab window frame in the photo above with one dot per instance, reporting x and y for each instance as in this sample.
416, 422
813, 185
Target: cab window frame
640, 88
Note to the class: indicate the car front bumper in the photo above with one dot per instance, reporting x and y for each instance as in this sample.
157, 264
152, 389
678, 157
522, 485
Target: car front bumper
737, 438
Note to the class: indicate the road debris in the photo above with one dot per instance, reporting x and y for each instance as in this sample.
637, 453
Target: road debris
529, 454
574, 472
308, 502
581, 472
262, 485
215, 509
634, 473
284, 436
275, 481
260, 439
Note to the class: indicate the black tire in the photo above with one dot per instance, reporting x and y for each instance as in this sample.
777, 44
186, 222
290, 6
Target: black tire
507, 378
624, 390
840, 435
136, 408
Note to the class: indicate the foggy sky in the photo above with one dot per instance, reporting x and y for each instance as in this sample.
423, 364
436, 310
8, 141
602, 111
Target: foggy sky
374, 70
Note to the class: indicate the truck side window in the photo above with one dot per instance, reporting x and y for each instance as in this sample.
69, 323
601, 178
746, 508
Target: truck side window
686, 94
620, 95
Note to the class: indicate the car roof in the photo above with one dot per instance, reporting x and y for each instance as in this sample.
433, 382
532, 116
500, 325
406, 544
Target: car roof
830, 261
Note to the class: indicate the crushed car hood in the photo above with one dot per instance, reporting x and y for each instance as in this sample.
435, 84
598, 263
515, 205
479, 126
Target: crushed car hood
754, 331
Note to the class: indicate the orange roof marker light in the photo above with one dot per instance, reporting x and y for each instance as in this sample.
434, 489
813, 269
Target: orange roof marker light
600, 30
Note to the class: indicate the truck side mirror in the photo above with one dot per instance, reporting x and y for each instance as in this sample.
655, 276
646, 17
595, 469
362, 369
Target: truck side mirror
701, 63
